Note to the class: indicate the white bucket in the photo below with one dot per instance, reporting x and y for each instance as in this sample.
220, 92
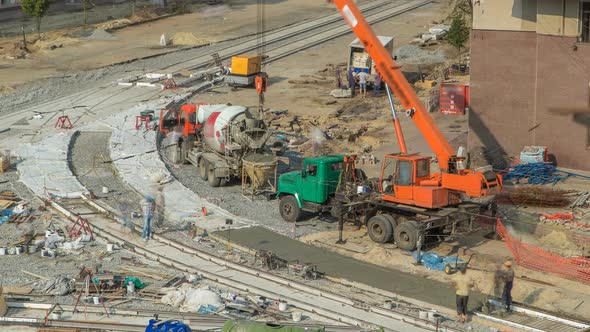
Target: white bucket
55, 315
2, 251
110, 247
84, 238
387, 305
105, 190
296, 316
282, 306
362, 189
423, 315
96, 299
130, 288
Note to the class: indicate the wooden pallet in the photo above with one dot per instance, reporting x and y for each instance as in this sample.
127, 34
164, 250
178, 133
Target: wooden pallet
19, 218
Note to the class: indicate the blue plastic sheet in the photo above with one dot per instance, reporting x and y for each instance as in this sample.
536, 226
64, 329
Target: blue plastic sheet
434, 261
208, 309
167, 326
4, 215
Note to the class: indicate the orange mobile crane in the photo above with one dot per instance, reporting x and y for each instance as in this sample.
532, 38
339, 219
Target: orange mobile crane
413, 182
410, 204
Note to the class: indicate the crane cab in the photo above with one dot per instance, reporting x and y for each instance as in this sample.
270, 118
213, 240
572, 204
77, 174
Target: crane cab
406, 179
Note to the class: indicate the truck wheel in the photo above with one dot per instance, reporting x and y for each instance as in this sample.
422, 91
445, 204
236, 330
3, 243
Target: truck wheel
380, 229
203, 169
406, 235
289, 209
211, 178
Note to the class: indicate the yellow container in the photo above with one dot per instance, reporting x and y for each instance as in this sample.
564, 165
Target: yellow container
246, 64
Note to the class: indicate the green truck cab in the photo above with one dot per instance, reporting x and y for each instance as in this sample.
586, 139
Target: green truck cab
311, 188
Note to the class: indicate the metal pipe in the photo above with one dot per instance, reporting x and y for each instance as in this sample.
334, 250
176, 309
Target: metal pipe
398, 128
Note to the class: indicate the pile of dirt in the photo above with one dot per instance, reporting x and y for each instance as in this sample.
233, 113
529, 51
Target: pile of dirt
188, 39
557, 241
100, 34
51, 43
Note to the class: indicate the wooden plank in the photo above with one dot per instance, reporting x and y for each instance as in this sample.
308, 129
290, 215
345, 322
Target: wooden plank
5, 204
17, 290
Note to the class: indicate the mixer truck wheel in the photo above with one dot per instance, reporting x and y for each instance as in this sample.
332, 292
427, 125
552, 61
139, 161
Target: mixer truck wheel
289, 209
211, 178
203, 169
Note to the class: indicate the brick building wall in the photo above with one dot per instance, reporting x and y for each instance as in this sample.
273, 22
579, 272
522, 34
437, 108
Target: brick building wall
516, 78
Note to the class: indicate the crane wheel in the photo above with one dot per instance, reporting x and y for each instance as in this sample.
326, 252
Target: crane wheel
211, 178
203, 169
406, 235
380, 229
289, 209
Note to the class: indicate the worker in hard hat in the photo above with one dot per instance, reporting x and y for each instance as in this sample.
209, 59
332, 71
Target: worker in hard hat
147, 209
508, 278
463, 283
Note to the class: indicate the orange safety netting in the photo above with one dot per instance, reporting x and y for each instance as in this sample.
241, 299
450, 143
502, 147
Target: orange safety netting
538, 259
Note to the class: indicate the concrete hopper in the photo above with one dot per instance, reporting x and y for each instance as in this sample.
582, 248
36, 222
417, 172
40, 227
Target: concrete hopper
259, 175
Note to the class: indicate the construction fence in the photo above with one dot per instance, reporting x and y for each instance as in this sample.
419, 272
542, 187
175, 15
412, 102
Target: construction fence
536, 258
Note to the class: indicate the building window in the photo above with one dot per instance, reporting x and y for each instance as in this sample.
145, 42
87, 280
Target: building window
585, 21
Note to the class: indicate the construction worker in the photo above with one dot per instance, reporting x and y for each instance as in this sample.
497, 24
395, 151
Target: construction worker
147, 209
363, 83
351, 80
338, 78
508, 278
498, 280
463, 283
376, 84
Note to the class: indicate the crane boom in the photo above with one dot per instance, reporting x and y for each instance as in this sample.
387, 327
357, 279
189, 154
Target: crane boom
393, 76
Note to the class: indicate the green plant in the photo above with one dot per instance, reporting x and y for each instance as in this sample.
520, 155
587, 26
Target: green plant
35, 8
458, 33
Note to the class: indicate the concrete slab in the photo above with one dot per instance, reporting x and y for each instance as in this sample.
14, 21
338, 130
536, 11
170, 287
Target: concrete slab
340, 266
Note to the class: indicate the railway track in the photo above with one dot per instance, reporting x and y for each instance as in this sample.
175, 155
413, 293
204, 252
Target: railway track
534, 320
301, 36
132, 318
243, 278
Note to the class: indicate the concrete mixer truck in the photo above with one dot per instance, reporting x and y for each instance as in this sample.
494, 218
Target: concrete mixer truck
215, 138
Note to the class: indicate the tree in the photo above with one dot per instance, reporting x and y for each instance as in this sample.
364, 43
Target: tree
458, 33
35, 8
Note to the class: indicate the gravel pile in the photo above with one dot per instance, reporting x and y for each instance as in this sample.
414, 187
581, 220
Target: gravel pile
412, 54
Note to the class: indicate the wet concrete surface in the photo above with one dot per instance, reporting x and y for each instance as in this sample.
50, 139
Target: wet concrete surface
336, 265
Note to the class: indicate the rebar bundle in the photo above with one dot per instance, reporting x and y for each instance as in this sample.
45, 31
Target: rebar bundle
538, 196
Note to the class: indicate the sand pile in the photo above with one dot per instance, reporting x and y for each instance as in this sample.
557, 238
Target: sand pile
187, 38
113, 24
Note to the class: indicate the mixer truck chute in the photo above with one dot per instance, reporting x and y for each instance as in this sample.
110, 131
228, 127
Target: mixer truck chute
215, 138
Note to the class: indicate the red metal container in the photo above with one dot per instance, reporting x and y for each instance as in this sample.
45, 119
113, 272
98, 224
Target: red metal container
454, 98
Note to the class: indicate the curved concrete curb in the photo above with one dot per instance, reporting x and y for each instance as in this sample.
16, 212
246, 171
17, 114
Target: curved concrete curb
135, 156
